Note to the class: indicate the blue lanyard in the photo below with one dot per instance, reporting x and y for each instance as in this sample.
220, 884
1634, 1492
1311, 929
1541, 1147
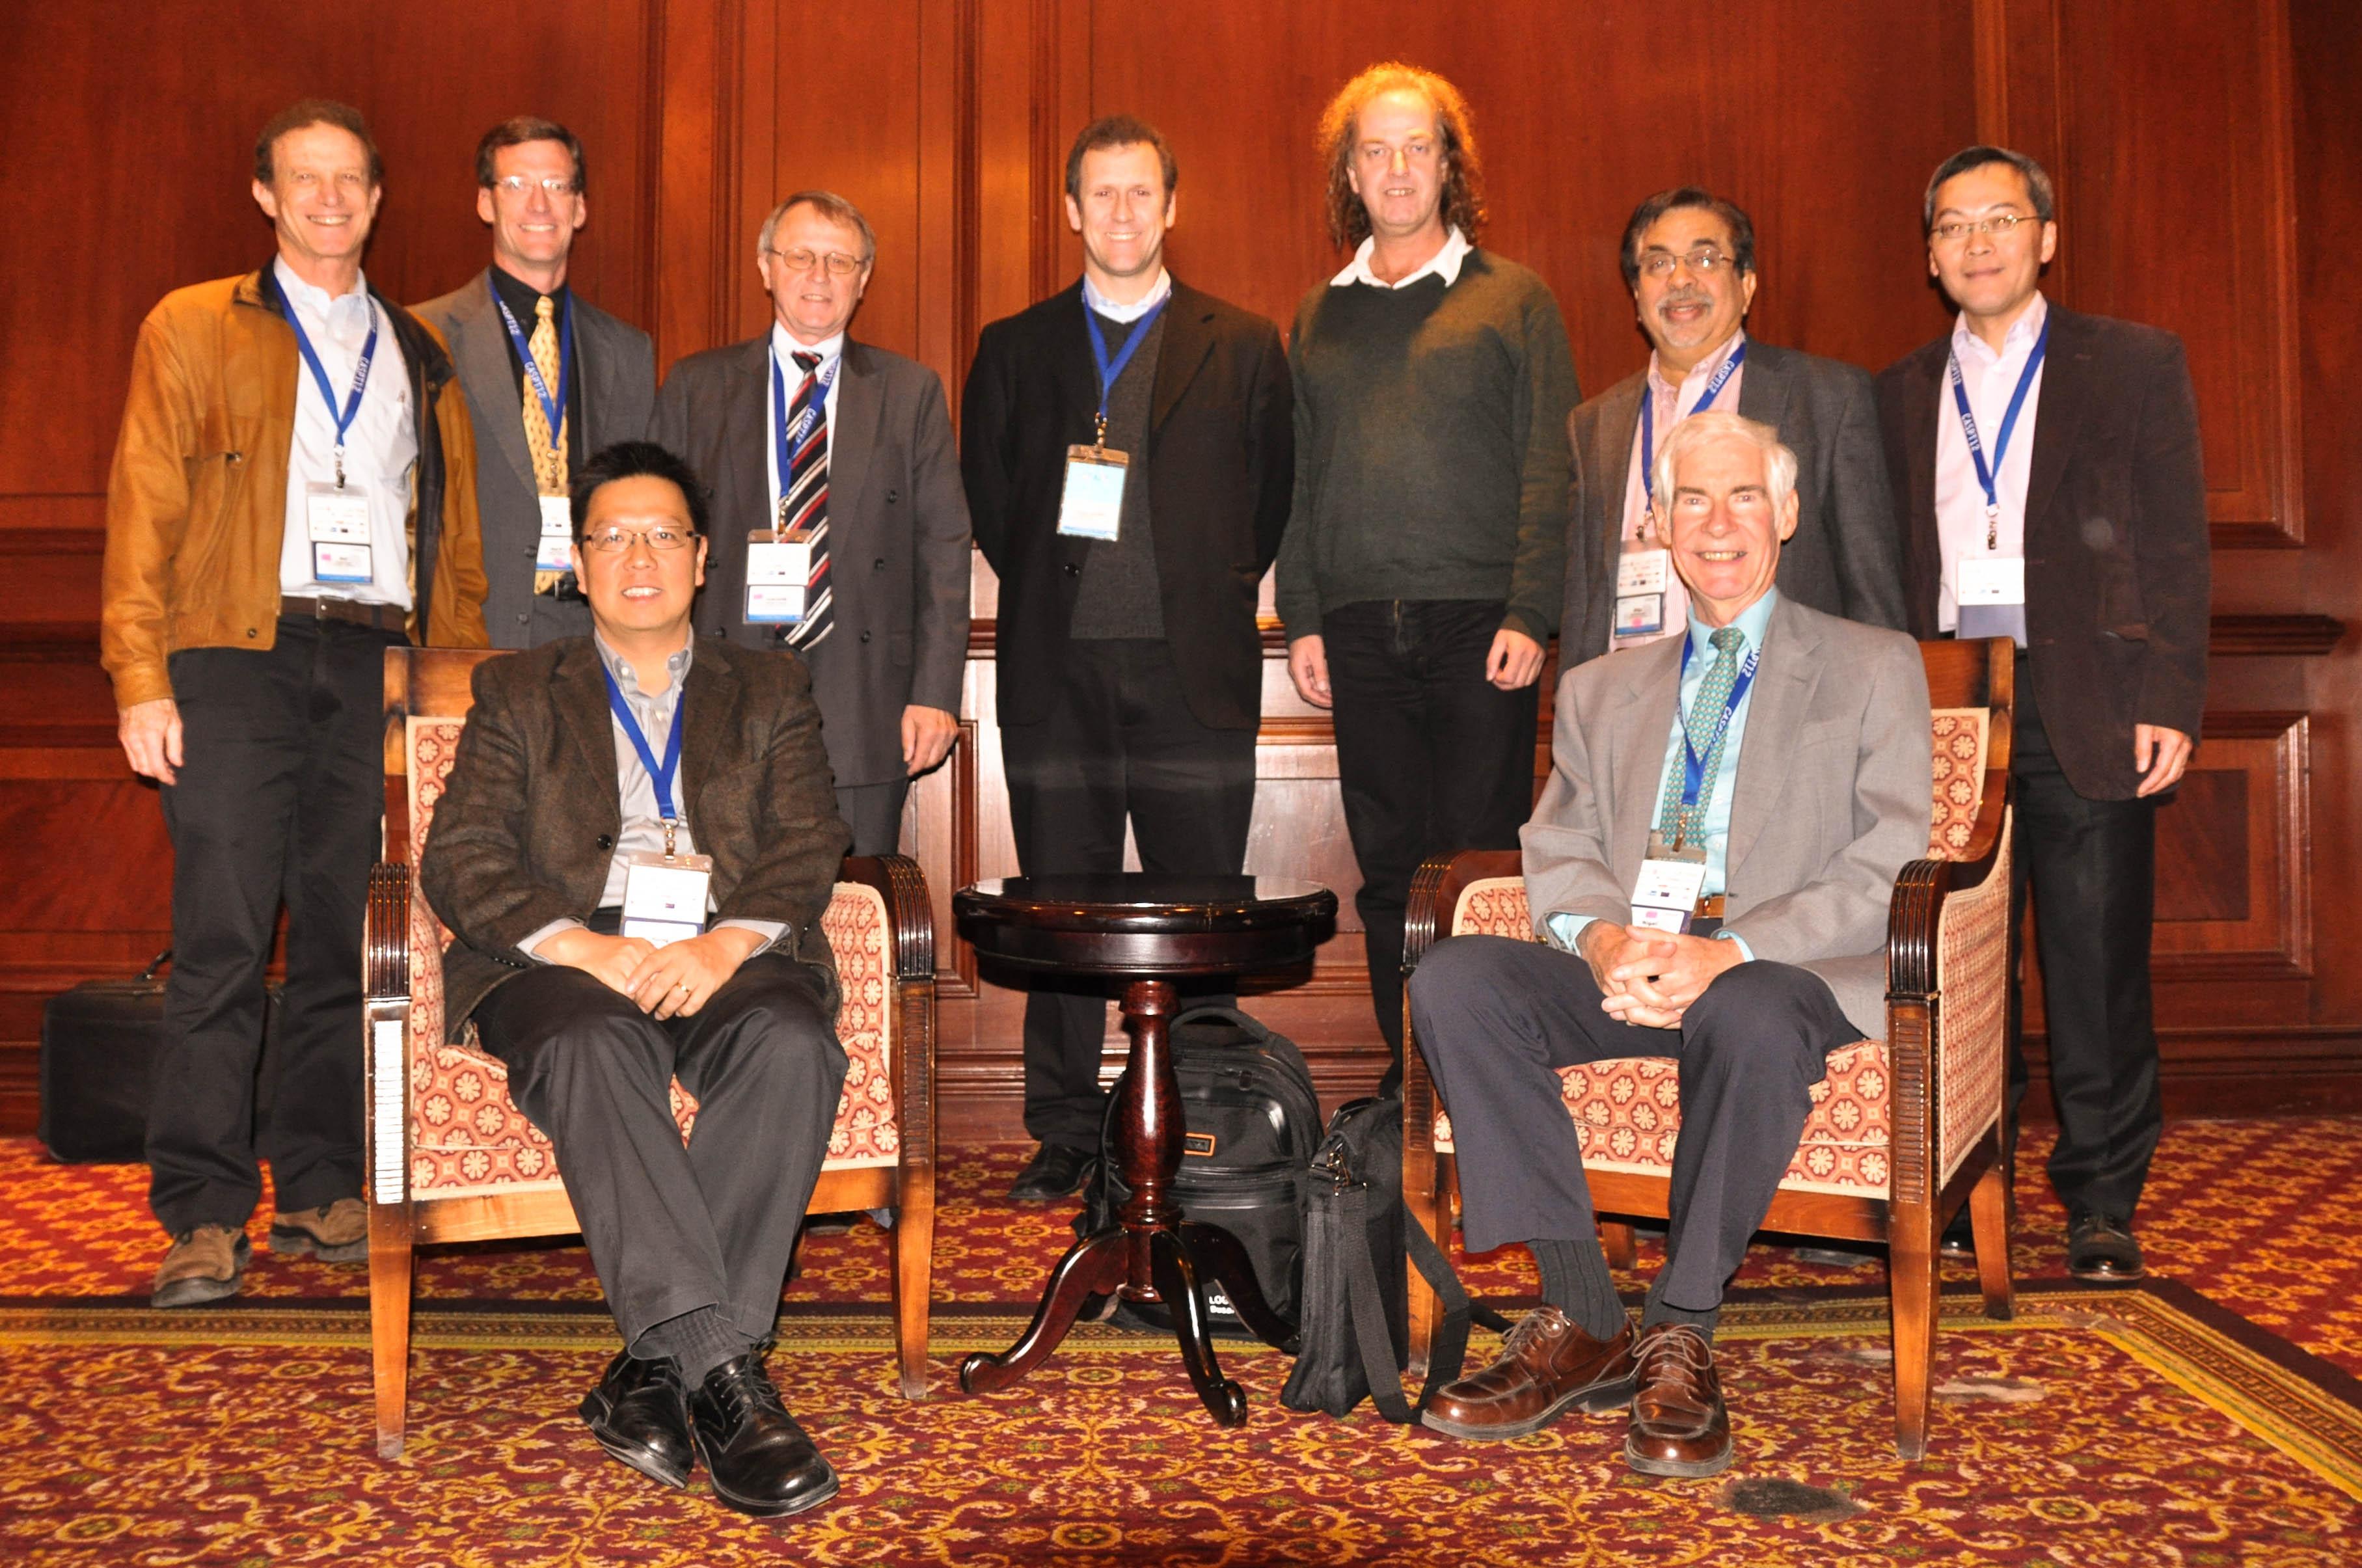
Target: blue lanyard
1693, 765
661, 777
1110, 371
1988, 476
552, 408
320, 375
1649, 418
789, 441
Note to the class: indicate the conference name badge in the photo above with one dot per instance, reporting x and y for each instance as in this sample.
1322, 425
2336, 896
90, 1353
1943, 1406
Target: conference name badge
1990, 579
556, 551
336, 519
1672, 880
778, 576
665, 895
1092, 505
1640, 577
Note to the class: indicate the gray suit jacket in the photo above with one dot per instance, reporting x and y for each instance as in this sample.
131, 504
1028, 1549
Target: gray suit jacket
527, 827
1829, 804
898, 533
1846, 557
619, 368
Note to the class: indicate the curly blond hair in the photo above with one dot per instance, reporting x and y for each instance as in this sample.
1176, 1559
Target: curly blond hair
1463, 170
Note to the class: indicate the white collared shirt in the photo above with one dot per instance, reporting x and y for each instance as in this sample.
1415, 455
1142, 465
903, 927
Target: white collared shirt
1990, 379
1444, 262
782, 345
1158, 293
381, 448
1671, 405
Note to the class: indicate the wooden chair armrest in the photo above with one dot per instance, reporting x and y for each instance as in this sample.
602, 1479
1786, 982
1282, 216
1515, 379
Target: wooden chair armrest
1917, 909
385, 932
1435, 889
909, 915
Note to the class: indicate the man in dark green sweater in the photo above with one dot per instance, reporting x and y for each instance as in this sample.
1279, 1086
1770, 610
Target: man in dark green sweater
1426, 553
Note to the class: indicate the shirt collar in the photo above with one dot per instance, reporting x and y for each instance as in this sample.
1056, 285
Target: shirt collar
1752, 622
1444, 263
1701, 372
520, 296
1158, 293
627, 682
309, 297
2016, 342
782, 345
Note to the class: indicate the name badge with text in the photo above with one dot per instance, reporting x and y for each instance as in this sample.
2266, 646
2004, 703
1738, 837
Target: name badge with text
664, 897
1672, 880
1092, 505
1640, 576
336, 522
778, 575
556, 551
1990, 579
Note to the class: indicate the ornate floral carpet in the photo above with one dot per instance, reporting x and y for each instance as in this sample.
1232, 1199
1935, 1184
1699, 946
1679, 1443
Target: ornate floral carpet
2209, 1419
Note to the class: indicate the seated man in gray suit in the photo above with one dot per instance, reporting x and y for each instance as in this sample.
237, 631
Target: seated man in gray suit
550, 378
1710, 867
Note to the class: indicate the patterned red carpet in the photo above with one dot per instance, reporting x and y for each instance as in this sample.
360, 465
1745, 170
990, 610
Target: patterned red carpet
2100, 1428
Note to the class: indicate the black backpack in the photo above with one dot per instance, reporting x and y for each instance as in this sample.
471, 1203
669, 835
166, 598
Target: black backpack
1354, 1323
1251, 1123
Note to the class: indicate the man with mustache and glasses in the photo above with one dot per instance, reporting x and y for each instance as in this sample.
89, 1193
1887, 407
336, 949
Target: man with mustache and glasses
1689, 259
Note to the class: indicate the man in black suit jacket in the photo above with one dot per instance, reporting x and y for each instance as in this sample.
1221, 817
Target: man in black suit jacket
604, 371
1131, 667
874, 476
2066, 509
554, 807
1689, 261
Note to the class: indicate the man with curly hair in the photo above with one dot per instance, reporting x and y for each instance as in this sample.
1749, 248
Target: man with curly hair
1425, 556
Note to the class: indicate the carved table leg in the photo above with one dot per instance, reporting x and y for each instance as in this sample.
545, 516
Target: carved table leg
1148, 1129
1177, 1278
1093, 1266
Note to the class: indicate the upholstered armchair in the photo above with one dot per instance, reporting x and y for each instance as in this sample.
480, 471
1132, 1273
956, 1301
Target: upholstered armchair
1904, 1131
450, 1158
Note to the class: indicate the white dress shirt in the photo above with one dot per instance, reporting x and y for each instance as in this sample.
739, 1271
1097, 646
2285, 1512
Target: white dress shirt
1989, 380
1671, 405
830, 350
381, 448
1158, 293
1445, 262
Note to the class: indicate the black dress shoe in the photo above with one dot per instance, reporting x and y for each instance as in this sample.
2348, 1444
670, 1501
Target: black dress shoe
639, 1413
2099, 1247
1055, 1170
1959, 1237
760, 1462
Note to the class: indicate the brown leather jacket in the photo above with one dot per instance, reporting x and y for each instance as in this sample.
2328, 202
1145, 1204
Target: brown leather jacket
196, 503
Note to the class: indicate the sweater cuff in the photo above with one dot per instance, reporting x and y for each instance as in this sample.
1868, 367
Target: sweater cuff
1515, 620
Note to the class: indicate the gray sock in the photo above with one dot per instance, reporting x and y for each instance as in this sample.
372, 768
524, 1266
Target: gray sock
700, 1341
1575, 1281
1657, 1311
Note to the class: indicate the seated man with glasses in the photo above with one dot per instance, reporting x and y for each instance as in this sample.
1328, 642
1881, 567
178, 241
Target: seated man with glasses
633, 854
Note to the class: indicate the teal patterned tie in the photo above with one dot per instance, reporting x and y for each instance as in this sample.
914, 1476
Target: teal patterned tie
1710, 717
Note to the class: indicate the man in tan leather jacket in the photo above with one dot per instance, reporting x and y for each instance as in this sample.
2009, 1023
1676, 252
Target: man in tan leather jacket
293, 493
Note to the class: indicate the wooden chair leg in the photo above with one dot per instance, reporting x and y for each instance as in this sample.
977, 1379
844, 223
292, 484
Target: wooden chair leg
1989, 1222
1615, 1241
914, 1252
390, 1227
1422, 1207
1911, 1264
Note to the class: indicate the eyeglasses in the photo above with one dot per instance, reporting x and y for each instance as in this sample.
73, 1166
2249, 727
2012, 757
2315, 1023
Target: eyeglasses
1705, 261
616, 541
838, 263
2000, 225
551, 184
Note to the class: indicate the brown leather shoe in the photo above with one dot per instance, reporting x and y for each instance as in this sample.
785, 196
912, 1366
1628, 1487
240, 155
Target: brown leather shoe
336, 1234
1547, 1364
205, 1263
1680, 1426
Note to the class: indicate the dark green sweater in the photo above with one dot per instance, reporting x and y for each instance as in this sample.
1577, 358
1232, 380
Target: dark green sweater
1431, 446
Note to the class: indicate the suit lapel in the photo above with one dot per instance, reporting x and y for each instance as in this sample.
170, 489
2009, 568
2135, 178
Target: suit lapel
584, 715
483, 351
1611, 456
860, 402
1187, 342
1763, 389
743, 487
1785, 678
1641, 729
1921, 390
711, 692
2069, 383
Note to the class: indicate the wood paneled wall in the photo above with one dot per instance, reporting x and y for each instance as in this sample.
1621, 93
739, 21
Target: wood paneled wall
2207, 175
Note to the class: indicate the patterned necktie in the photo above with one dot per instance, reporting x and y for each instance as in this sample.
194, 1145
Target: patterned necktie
549, 466
1709, 719
803, 504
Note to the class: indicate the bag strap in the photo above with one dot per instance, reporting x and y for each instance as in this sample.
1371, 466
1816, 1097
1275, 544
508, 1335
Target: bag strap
1448, 1353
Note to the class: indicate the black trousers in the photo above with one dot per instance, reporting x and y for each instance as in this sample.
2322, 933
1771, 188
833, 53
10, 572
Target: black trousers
1431, 757
2091, 867
672, 1229
873, 812
1497, 1018
280, 801
1119, 741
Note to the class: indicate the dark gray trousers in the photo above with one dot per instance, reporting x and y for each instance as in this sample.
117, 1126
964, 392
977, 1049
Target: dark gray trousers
671, 1228
873, 812
1497, 1018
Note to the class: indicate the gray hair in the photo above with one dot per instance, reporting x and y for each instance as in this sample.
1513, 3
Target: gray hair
1715, 424
2037, 181
830, 205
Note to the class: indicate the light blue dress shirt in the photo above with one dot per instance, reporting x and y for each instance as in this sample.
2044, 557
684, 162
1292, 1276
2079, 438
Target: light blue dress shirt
1752, 622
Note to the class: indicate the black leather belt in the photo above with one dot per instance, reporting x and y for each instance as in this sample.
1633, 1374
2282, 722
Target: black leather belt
384, 617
